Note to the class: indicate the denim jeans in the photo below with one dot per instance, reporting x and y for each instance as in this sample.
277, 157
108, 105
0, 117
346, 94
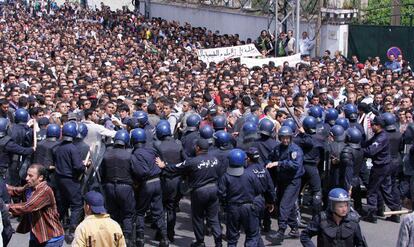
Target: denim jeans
34, 243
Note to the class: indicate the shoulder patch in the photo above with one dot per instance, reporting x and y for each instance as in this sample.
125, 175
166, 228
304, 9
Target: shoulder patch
294, 155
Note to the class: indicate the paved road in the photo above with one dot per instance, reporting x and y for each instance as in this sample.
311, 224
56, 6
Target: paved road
383, 234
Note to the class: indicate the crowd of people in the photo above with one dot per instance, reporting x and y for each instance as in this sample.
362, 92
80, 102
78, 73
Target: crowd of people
97, 100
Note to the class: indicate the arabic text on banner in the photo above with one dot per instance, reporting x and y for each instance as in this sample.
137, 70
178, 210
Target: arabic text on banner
220, 54
278, 61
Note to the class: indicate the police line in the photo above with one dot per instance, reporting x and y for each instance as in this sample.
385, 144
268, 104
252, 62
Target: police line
218, 55
278, 61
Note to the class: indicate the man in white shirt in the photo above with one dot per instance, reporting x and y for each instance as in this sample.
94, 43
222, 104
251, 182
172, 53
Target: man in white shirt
306, 45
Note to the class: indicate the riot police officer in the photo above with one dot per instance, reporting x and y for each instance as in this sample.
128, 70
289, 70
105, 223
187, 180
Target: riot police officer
331, 114
344, 122
191, 134
248, 136
237, 192
144, 124
171, 152
149, 192
287, 166
317, 113
22, 135
207, 132
350, 163
219, 123
338, 218
203, 173
222, 147
69, 167
312, 151
396, 148
332, 157
79, 143
43, 123
377, 148
351, 113
116, 174
266, 141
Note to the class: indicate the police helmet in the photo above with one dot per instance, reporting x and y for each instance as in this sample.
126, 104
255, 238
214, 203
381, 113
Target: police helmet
4, 126
316, 112
344, 122
53, 130
163, 129
237, 160
193, 122
221, 138
337, 195
69, 131
138, 136
21, 116
251, 118
338, 133
266, 127
142, 117
82, 130
285, 131
389, 120
249, 128
206, 132
351, 111
219, 122
353, 136
121, 138
291, 123
330, 116
309, 124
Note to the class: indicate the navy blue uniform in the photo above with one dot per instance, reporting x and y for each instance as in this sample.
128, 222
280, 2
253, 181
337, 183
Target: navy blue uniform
360, 128
332, 157
82, 147
149, 194
265, 145
149, 133
22, 135
245, 142
69, 167
288, 176
171, 152
396, 148
203, 172
221, 154
188, 140
116, 176
377, 148
312, 149
238, 195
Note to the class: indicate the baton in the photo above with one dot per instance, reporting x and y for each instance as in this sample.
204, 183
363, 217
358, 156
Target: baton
291, 115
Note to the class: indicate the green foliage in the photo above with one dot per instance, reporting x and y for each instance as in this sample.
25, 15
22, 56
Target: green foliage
379, 12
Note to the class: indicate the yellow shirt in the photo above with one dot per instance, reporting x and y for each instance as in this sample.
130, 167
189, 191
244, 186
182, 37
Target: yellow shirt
98, 230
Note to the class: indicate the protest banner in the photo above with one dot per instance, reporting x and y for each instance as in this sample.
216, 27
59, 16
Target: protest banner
278, 61
218, 55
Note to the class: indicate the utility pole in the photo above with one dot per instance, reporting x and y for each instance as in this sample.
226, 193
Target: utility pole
396, 13
297, 24
318, 28
276, 23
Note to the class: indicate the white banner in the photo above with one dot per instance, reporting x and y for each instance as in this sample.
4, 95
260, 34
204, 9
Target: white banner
220, 54
278, 61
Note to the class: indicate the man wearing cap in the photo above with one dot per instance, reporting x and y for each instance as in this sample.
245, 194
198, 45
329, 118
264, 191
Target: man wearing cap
97, 229
377, 148
203, 172
39, 211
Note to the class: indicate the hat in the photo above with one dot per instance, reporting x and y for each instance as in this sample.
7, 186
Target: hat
43, 121
72, 116
95, 201
212, 111
121, 97
203, 144
235, 171
253, 153
323, 90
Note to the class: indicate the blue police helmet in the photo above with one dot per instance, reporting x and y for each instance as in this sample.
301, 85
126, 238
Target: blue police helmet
266, 127
249, 128
121, 138
21, 116
285, 131
141, 116
351, 111
4, 126
389, 120
219, 122
251, 118
222, 138
82, 130
330, 116
138, 136
337, 195
69, 131
291, 123
163, 129
53, 130
316, 112
206, 132
309, 124
353, 136
237, 160
193, 122
338, 133
343, 122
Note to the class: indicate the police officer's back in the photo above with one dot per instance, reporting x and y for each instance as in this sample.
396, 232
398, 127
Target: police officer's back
191, 134
143, 123
248, 136
79, 143
222, 147
332, 156
266, 141
45, 149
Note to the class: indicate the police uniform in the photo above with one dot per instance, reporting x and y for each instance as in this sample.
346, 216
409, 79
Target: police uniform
188, 140
82, 147
203, 172
171, 152
237, 194
347, 233
332, 157
396, 148
117, 181
149, 193
149, 133
287, 176
22, 135
69, 167
265, 145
